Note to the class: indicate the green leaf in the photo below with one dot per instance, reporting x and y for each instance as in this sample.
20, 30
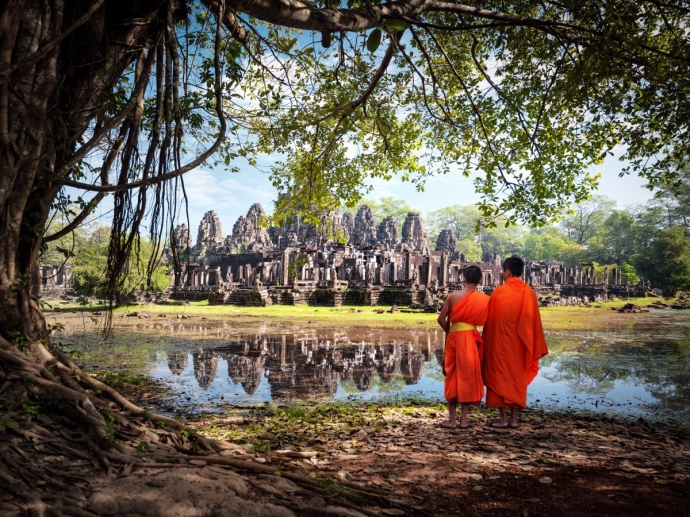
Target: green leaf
398, 25
377, 13
374, 40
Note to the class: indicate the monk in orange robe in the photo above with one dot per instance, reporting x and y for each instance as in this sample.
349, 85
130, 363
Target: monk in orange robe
461, 314
513, 343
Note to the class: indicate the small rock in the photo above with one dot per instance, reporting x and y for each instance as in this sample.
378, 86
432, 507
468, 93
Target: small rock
476, 477
318, 502
280, 483
545, 481
339, 511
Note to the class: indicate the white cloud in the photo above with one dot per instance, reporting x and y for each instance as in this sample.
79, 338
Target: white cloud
228, 194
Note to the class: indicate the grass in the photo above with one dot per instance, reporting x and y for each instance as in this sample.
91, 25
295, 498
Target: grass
597, 317
331, 425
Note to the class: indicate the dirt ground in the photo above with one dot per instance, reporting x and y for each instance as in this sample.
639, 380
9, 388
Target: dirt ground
311, 460
554, 464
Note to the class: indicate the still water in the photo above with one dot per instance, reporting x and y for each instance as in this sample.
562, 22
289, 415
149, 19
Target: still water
641, 370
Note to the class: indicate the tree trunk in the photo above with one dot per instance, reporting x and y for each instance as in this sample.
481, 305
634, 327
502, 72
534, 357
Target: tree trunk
48, 105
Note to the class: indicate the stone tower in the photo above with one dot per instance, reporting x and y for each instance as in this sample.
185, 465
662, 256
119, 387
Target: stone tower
447, 242
364, 231
414, 236
250, 230
387, 233
210, 232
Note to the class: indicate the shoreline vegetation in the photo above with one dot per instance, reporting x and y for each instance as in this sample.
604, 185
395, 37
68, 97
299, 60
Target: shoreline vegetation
593, 317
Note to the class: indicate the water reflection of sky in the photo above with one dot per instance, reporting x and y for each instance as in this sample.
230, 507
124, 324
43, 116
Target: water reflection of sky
644, 373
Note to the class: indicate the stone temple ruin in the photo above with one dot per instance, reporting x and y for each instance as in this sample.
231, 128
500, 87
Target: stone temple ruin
300, 263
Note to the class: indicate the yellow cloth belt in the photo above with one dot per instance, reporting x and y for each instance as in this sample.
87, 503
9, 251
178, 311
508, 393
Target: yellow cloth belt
457, 326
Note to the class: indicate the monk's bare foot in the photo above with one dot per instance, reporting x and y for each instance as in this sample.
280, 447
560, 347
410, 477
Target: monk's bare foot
448, 424
499, 423
463, 425
514, 425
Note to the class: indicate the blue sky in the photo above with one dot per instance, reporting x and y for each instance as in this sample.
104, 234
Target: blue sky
230, 195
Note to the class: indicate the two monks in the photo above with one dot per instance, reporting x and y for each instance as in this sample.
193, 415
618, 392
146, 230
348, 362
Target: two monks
513, 343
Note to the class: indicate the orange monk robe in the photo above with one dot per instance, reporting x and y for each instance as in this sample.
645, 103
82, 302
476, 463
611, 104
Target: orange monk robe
513, 344
462, 357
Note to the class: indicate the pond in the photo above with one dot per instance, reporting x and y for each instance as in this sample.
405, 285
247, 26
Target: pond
637, 370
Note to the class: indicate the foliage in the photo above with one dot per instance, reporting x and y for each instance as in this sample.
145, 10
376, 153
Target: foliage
463, 220
63, 249
666, 262
587, 218
295, 267
473, 233
503, 238
558, 100
628, 274
386, 206
89, 267
550, 243
527, 96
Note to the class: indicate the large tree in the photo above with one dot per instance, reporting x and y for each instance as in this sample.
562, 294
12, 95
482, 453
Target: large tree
666, 262
586, 219
123, 97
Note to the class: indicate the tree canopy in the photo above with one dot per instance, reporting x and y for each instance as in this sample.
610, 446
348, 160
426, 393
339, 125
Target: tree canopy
123, 98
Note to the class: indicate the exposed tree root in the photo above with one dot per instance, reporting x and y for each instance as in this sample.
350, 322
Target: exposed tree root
64, 429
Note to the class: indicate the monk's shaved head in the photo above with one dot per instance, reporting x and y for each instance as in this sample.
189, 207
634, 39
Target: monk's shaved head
472, 274
515, 265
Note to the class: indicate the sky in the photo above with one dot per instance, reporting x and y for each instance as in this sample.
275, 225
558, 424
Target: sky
231, 194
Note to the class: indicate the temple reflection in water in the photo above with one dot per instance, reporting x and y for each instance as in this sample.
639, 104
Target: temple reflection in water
304, 366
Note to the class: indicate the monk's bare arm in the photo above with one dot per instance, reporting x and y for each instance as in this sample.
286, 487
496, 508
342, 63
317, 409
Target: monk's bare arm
443, 317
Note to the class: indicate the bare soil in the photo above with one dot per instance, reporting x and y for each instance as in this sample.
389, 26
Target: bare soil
554, 464
352, 460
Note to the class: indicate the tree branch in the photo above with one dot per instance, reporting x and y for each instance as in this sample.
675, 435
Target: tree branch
218, 87
36, 57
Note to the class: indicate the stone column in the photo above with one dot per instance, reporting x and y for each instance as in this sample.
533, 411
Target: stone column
444, 271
